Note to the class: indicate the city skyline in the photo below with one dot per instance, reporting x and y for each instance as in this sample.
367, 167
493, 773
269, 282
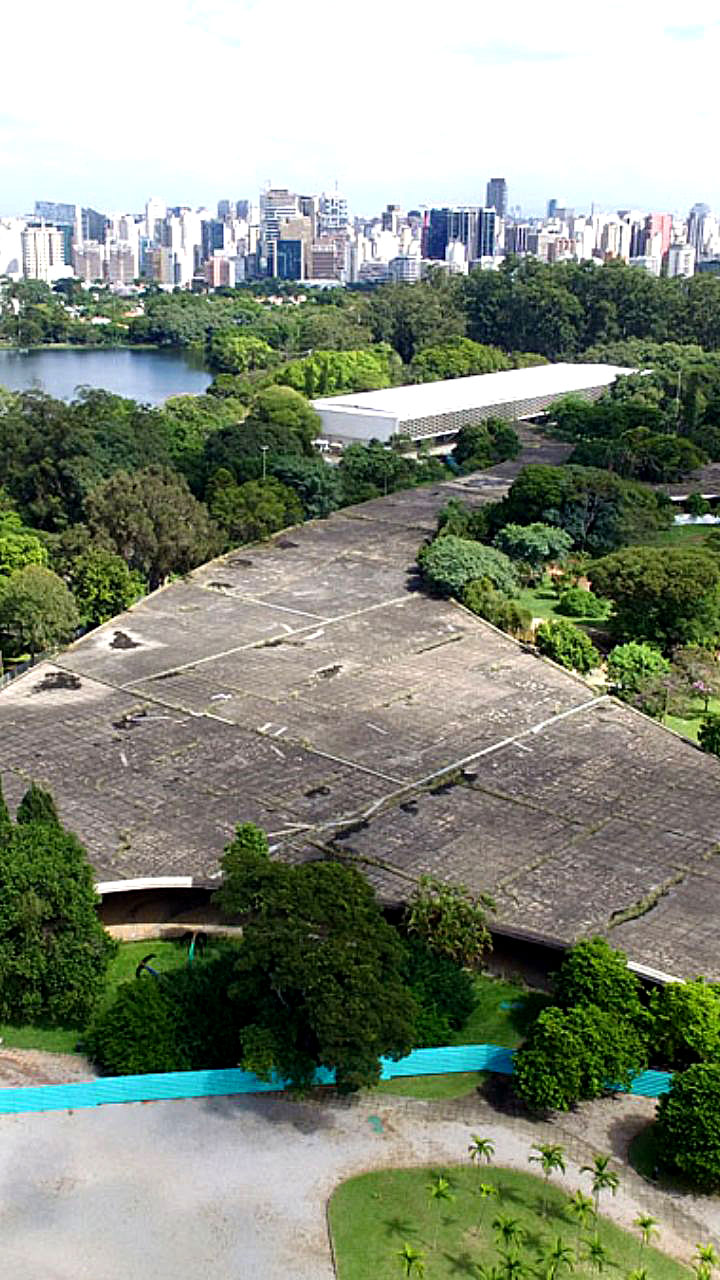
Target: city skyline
396, 106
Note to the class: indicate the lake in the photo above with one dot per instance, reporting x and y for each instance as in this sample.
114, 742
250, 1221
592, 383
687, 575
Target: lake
147, 376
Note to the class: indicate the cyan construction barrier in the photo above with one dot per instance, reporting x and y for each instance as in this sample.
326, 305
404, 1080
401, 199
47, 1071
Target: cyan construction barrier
208, 1084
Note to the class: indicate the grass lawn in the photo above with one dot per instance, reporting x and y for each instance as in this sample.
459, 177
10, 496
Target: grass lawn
679, 535
372, 1216
489, 1023
166, 955
542, 602
689, 725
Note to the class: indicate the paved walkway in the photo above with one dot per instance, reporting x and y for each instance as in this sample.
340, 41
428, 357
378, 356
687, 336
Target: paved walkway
237, 1187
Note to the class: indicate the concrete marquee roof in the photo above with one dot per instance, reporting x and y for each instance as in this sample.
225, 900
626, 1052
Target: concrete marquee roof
428, 399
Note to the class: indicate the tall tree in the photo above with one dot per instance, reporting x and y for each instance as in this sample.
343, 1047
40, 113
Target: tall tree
37, 611
151, 520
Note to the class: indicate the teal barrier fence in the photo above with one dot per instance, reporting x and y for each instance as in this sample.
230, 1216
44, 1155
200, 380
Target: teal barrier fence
208, 1084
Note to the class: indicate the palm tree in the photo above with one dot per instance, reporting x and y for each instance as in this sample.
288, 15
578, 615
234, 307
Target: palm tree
705, 1258
596, 1253
512, 1267
581, 1208
640, 1273
554, 1257
439, 1191
647, 1226
603, 1177
508, 1232
412, 1260
486, 1190
551, 1156
481, 1149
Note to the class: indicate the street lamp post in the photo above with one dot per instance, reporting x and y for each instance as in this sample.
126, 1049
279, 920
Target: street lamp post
264, 448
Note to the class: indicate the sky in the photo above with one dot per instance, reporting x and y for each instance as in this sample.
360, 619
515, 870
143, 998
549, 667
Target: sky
199, 100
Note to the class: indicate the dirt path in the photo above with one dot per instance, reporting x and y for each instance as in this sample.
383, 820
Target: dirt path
21, 1068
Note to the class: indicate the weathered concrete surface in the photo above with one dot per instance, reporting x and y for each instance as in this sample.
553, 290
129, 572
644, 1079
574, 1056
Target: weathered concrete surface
308, 686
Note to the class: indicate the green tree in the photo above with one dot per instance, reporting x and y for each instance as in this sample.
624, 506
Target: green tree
555, 1258
576, 1054
647, 1226
483, 444
596, 1254
37, 805
456, 358
688, 1125
508, 1232
708, 733
481, 1149
576, 602
603, 1178
551, 1156
665, 596
439, 1193
54, 951
231, 351
316, 484
594, 973
151, 520
581, 1209
449, 563
330, 373
634, 666
19, 546
37, 611
450, 920
103, 585
535, 544
481, 598
567, 645
253, 511
320, 975
412, 1260
686, 1023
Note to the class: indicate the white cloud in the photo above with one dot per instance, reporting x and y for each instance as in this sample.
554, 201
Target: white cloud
195, 100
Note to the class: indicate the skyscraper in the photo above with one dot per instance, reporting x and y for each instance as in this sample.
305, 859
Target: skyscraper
487, 233
496, 196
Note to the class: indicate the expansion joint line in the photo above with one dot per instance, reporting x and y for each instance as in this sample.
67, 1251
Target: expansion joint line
419, 783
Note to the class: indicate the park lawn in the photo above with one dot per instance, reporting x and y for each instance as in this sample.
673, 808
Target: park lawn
689, 725
488, 1023
372, 1216
541, 601
679, 535
166, 955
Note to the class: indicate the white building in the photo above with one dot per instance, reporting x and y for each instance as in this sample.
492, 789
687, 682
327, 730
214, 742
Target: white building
121, 263
43, 253
404, 269
437, 410
681, 260
89, 261
332, 214
650, 262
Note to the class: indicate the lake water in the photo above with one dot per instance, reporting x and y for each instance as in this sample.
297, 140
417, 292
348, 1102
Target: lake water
147, 376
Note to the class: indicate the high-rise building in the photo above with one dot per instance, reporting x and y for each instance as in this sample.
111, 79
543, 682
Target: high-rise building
93, 224
496, 196
155, 212
681, 260
11, 252
122, 262
287, 259
224, 208
89, 261
404, 269
43, 253
391, 218
658, 224
487, 233
214, 234
332, 214
242, 209
276, 204
446, 225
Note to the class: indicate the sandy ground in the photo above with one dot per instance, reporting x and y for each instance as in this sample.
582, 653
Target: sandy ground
238, 1187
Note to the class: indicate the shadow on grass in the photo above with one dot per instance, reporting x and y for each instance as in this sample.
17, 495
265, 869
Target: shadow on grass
522, 1017
401, 1227
462, 1264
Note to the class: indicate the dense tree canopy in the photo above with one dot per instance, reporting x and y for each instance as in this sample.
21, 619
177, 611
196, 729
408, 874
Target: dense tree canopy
37, 612
449, 563
320, 977
688, 1125
667, 596
576, 1053
53, 949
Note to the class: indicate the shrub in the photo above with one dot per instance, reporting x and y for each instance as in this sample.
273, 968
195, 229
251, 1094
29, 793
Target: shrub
688, 1125
686, 1023
631, 666
709, 733
577, 603
576, 1054
443, 993
593, 973
183, 1020
567, 645
449, 563
482, 599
